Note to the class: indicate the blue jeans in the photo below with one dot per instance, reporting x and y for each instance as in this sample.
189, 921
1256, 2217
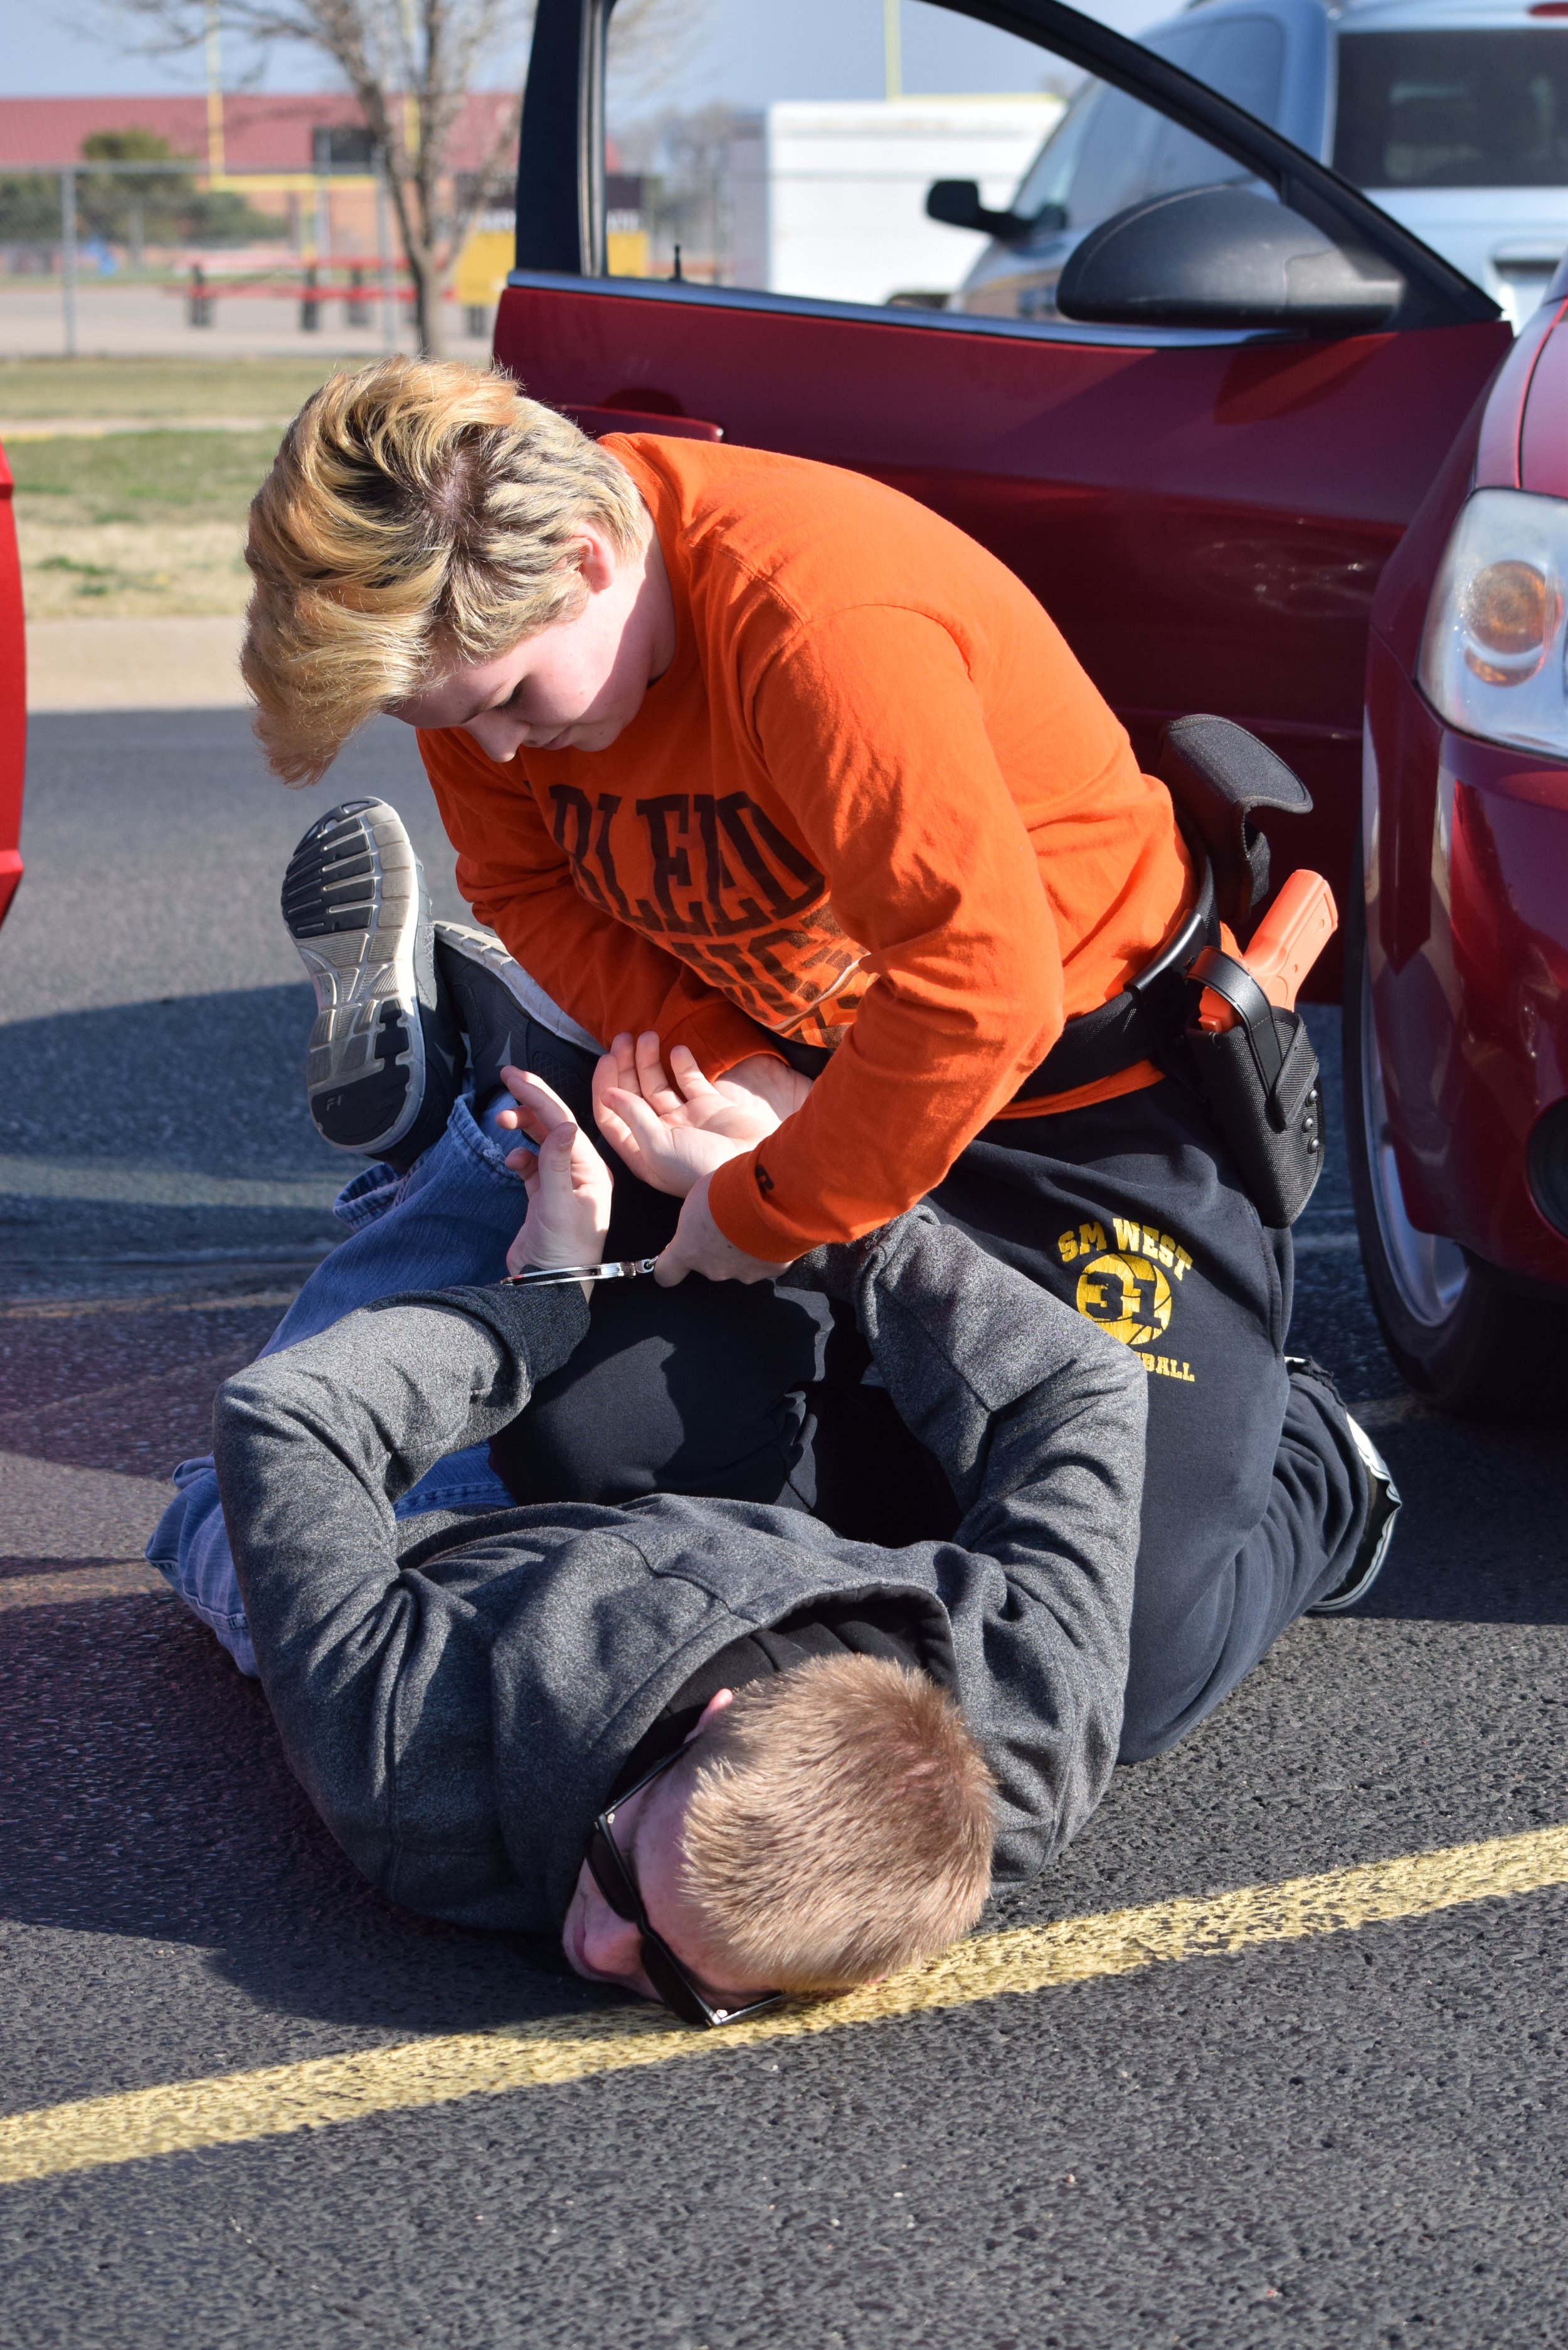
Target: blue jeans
449, 1220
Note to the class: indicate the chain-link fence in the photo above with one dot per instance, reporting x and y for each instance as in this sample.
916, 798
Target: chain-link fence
319, 239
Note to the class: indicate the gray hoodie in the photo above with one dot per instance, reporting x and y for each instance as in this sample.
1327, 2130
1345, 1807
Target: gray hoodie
459, 1708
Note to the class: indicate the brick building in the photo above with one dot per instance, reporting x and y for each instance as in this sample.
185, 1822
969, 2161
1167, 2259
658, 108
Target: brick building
270, 145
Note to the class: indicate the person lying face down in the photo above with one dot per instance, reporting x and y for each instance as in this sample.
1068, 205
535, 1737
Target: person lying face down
817, 1830
491, 1719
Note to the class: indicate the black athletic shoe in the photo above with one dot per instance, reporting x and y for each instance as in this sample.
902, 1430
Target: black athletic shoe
1378, 1534
494, 1000
385, 1059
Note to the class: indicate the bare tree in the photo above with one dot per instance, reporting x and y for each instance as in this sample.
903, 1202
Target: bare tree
411, 63
651, 44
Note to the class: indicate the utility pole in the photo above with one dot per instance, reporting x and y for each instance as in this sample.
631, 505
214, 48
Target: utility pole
69, 257
384, 254
892, 58
323, 219
214, 95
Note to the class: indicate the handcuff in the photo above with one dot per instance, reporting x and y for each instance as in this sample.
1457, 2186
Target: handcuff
547, 1276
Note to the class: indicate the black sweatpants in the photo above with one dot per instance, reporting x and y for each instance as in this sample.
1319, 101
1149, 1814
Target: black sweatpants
1254, 1497
706, 1388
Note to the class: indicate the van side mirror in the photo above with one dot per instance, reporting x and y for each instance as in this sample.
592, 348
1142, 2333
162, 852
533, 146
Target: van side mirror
957, 204
1224, 257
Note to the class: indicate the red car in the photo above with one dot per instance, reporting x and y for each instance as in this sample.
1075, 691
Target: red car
1456, 1059
1202, 465
12, 697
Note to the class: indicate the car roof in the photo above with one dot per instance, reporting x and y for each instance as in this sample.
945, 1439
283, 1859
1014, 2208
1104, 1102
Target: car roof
1441, 15
1380, 15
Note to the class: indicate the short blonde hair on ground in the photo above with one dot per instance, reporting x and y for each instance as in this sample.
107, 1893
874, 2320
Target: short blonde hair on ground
840, 1824
420, 516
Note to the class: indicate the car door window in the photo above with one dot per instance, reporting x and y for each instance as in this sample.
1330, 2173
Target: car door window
1113, 151
809, 177
807, 174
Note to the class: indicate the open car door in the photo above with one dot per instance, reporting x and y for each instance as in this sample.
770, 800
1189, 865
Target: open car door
12, 697
1199, 474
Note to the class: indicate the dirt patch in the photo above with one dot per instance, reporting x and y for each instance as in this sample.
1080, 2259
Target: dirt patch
137, 526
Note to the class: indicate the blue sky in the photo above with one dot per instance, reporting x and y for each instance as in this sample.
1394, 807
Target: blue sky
51, 50
755, 50
751, 51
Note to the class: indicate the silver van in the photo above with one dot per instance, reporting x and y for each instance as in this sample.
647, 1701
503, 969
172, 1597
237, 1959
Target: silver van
1451, 114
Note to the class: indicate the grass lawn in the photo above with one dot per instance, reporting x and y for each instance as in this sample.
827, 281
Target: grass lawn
139, 524
171, 387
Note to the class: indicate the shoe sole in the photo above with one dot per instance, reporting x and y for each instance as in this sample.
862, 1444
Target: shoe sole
1351, 1595
355, 904
1389, 1500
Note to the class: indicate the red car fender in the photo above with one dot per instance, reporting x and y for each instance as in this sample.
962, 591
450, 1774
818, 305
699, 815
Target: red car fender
1498, 450
13, 696
1470, 1008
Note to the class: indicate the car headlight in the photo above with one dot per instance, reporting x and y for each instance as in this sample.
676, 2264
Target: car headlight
1493, 652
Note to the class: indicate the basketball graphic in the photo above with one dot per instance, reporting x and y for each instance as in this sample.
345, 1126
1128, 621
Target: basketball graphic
1128, 1296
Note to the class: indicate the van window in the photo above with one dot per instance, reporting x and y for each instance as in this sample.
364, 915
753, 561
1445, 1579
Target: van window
1112, 150
1243, 58
1463, 110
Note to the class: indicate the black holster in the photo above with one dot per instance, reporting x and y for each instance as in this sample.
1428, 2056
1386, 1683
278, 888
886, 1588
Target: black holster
1258, 1079
1261, 1077
1263, 1087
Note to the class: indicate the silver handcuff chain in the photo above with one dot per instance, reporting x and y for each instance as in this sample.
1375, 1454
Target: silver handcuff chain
547, 1276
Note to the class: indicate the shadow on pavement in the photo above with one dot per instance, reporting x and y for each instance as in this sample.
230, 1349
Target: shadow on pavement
143, 1793
150, 1798
123, 1387
1480, 1538
164, 1130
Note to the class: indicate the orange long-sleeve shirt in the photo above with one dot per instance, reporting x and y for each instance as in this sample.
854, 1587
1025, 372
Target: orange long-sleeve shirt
874, 803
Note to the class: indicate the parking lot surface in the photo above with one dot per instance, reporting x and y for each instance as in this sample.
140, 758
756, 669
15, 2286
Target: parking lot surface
1169, 2095
141, 321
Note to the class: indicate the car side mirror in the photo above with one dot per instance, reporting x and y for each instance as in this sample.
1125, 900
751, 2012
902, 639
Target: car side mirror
957, 204
1224, 257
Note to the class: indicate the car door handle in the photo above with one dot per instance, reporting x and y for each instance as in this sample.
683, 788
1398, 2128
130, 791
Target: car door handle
599, 420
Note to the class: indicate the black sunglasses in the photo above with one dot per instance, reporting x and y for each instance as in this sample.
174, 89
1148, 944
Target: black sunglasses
659, 1964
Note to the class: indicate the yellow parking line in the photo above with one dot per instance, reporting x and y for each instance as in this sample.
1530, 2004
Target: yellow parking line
230, 2108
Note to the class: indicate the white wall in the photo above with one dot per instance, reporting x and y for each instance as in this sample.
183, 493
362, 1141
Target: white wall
828, 197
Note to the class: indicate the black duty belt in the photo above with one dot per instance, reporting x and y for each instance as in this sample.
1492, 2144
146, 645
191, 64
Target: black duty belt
1259, 1078
1138, 1025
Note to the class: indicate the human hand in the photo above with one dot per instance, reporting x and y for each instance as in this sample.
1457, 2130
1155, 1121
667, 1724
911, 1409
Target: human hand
763, 1081
568, 1183
671, 1135
698, 1246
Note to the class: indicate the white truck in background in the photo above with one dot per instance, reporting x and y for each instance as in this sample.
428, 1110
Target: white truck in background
828, 197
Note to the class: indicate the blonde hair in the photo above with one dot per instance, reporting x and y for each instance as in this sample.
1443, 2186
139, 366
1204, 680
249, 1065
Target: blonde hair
839, 1825
420, 516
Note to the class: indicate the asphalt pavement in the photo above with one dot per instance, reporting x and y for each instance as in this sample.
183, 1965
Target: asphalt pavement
1334, 2134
